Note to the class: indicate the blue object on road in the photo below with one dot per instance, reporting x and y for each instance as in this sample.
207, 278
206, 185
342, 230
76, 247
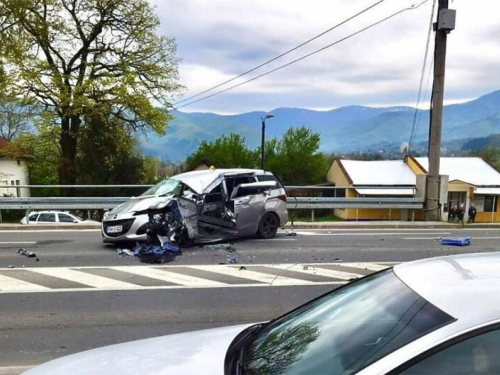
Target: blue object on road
459, 241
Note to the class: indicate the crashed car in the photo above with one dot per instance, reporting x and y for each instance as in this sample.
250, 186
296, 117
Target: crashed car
204, 206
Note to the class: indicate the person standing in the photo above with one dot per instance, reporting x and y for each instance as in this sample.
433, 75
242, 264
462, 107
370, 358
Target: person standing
453, 213
461, 214
472, 213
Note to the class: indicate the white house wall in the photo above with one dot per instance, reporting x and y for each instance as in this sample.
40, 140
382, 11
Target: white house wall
13, 172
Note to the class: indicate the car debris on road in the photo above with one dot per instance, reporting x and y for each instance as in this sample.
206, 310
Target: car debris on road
459, 241
26, 253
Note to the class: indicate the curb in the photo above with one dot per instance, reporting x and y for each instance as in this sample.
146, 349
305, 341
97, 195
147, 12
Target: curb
387, 225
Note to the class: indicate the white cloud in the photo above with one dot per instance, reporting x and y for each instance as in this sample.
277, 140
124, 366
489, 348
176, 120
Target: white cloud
218, 39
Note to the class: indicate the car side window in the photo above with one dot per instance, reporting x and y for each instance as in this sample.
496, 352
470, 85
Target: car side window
214, 195
270, 177
63, 218
47, 218
233, 182
476, 355
33, 217
243, 192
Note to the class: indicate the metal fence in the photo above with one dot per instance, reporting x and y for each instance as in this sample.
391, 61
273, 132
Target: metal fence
309, 198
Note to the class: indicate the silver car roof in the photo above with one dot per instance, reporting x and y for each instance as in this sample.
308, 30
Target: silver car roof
200, 180
464, 286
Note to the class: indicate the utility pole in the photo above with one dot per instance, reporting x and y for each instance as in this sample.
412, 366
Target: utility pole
445, 23
263, 140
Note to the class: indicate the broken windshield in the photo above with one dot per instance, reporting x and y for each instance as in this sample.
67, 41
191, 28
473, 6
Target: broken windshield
165, 187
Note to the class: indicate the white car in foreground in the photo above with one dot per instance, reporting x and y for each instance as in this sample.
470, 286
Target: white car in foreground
434, 316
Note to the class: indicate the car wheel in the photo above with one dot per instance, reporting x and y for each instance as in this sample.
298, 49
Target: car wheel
268, 226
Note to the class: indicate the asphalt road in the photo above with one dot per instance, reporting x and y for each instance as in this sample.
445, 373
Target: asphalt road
81, 295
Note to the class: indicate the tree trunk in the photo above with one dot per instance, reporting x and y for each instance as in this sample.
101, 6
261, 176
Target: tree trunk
70, 127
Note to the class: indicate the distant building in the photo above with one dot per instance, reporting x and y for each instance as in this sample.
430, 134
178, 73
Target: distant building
464, 181
13, 172
201, 165
380, 178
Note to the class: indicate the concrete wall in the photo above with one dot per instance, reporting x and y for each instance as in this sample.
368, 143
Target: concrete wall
13, 172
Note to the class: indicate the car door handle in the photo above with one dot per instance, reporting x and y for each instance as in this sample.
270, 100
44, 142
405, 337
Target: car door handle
242, 201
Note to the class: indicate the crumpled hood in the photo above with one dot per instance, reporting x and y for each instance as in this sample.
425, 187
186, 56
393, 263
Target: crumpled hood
199, 352
140, 204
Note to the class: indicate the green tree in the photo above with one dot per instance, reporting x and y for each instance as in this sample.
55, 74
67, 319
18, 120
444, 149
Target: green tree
296, 158
152, 170
107, 156
82, 58
490, 155
41, 152
225, 152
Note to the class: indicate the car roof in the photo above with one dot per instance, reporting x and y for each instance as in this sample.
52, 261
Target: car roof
200, 180
464, 286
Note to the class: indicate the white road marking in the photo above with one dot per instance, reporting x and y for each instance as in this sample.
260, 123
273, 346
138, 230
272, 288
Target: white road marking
253, 275
96, 283
363, 266
438, 238
18, 243
274, 240
171, 277
311, 269
15, 285
85, 278
368, 234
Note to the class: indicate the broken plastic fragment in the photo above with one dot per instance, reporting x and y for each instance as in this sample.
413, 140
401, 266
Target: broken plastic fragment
233, 259
124, 252
26, 253
221, 246
459, 241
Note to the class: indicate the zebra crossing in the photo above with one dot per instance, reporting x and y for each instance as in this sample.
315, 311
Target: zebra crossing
65, 279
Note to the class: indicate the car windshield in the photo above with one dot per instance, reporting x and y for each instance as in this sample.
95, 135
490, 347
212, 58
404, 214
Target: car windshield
344, 331
165, 187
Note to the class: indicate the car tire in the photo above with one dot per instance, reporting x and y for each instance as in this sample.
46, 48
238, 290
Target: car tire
268, 226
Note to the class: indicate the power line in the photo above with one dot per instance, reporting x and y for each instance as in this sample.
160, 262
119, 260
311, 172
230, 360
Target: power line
429, 74
424, 65
283, 54
306, 56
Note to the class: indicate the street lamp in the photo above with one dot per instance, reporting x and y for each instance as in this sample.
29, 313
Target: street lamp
263, 139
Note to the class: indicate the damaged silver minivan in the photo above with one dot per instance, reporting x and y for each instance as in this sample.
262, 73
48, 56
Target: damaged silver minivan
204, 206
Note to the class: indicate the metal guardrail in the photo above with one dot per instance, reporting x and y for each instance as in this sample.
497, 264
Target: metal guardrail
93, 203
359, 203
61, 203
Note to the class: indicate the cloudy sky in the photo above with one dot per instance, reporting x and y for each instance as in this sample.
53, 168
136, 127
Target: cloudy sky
219, 39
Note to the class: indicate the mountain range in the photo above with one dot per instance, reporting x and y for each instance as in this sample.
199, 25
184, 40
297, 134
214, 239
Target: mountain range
345, 129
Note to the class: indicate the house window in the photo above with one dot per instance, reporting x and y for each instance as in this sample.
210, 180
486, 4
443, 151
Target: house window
479, 203
490, 203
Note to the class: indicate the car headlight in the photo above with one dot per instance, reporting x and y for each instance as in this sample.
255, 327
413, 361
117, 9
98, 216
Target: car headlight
106, 214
